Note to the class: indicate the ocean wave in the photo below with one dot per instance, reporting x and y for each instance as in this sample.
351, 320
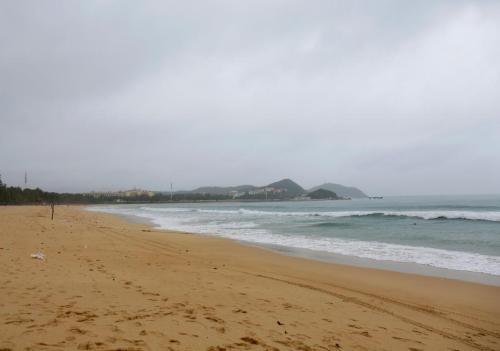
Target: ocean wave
440, 258
444, 215
448, 259
167, 209
332, 225
249, 231
493, 216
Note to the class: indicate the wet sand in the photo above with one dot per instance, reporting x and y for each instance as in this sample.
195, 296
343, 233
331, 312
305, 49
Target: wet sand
107, 284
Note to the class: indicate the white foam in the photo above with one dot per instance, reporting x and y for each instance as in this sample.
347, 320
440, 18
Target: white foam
445, 214
472, 215
166, 209
456, 260
246, 230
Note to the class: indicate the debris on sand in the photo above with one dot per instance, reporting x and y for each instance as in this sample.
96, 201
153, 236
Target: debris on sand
38, 256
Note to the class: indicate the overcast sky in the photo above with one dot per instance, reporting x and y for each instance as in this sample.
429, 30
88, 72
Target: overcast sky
395, 97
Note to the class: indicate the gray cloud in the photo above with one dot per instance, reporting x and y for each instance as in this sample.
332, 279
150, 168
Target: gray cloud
394, 97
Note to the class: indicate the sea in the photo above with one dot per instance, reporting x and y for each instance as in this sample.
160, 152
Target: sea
449, 236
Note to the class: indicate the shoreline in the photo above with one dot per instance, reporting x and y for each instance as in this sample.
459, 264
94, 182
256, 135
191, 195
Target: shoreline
334, 258
108, 284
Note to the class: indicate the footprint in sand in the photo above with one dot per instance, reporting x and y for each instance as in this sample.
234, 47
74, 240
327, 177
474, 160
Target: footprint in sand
77, 330
365, 333
90, 345
406, 340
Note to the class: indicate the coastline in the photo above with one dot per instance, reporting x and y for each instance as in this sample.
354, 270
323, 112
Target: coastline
109, 284
329, 257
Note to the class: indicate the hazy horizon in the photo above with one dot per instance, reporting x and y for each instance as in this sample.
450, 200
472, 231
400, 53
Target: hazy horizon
392, 97
167, 189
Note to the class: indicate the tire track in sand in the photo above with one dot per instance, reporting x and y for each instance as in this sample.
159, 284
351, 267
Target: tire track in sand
391, 313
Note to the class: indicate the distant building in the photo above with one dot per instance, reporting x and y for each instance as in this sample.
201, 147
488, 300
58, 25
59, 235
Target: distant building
124, 194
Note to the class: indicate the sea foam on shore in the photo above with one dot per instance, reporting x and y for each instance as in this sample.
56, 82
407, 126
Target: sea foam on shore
454, 234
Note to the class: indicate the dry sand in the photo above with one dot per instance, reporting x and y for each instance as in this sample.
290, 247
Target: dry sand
111, 285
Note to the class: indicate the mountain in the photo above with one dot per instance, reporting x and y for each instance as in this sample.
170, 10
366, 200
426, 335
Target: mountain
285, 188
292, 188
341, 190
322, 194
282, 189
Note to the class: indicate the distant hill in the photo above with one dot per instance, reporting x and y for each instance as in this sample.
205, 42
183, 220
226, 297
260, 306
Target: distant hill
322, 194
283, 189
341, 190
292, 188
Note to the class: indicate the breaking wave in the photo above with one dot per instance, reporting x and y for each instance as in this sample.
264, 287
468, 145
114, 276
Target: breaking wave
259, 227
493, 216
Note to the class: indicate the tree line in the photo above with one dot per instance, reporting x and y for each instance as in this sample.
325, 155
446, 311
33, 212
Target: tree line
10, 195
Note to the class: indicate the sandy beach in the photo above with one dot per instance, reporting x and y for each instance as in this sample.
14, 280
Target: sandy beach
107, 284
